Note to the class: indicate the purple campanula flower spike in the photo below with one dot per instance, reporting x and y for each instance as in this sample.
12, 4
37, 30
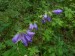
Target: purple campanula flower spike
58, 11
16, 38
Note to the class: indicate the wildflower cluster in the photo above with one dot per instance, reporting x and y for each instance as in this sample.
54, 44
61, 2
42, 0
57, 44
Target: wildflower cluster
27, 37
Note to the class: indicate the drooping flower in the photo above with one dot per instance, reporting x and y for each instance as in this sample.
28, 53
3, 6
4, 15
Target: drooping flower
29, 35
20, 37
46, 18
58, 11
25, 38
16, 38
33, 26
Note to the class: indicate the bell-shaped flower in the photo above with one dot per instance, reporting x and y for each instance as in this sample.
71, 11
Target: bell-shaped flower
30, 33
20, 37
16, 38
46, 18
25, 38
33, 26
58, 11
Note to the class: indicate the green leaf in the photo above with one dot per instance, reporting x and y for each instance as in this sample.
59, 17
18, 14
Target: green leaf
33, 50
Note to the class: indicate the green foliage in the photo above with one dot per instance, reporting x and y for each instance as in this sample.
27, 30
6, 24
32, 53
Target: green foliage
55, 38
33, 51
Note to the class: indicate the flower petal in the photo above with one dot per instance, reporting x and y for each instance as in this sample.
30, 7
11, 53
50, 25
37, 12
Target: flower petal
35, 26
30, 33
16, 38
29, 38
24, 41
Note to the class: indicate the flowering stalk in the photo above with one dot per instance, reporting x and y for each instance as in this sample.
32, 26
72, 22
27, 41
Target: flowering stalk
18, 50
27, 37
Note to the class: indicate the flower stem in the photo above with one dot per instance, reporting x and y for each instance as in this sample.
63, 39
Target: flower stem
18, 50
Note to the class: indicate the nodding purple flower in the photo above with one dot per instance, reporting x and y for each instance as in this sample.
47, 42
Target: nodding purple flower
46, 18
33, 26
30, 33
16, 38
58, 11
25, 38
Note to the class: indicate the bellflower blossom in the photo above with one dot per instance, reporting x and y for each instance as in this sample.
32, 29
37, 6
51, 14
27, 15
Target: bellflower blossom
25, 38
58, 11
33, 26
46, 18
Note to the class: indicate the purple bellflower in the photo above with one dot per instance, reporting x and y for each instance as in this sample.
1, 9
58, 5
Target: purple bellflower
58, 11
29, 35
25, 38
46, 18
33, 26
